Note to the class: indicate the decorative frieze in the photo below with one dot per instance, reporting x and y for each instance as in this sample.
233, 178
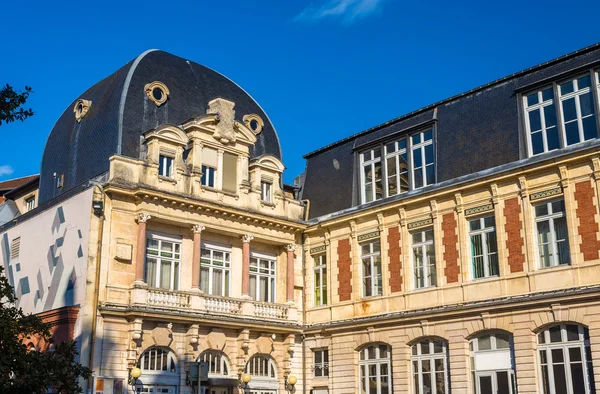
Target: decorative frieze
479, 209
545, 194
318, 249
420, 223
364, 237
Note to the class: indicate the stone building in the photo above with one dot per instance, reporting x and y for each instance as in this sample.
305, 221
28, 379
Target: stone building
453, 249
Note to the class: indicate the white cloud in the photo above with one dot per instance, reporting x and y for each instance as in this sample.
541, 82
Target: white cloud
6, 170
346, 10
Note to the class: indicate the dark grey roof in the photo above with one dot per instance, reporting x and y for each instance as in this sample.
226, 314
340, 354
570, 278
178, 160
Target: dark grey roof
121, 112
475, 131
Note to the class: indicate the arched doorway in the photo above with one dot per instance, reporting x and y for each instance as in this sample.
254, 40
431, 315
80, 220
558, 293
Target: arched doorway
160, 374
263, 370
221, 379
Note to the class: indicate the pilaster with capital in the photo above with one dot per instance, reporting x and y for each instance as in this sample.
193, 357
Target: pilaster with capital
141, 247
196, 272
290, 271
246, 264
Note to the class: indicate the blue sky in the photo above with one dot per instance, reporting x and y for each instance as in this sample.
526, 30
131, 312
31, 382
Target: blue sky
321, 69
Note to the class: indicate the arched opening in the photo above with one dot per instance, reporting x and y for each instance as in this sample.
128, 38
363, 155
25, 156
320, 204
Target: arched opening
374, 369
263, 370
160, 372
564, 359
492, 363
221, 379
429, 365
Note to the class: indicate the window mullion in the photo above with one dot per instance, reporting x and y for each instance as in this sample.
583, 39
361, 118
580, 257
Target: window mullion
579, 114
486, 269
553, 242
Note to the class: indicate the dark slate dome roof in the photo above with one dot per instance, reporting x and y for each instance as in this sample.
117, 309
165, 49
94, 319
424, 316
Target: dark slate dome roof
121, 112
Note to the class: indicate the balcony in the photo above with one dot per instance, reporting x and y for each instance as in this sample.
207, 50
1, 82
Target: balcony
192, 301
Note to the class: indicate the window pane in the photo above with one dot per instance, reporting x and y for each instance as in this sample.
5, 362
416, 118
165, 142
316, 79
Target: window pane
572, 131
560, 380
552, 138
537, 143
555, 334
547, 94
502, 341
589, 128
484, 342
532, 99
535, 122
572, 332
545, 380
438, 347
503, 382
485, 385
566, 87
577, 378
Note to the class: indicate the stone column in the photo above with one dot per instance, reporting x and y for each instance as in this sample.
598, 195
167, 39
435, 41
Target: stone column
290, 272
140, 257
246, 264
197, 229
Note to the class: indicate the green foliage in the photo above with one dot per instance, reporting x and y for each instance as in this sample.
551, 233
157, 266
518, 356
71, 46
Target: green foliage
11, 102
23, 371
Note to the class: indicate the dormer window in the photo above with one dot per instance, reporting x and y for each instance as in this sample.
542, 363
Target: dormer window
165, 166
208, 176
266, 191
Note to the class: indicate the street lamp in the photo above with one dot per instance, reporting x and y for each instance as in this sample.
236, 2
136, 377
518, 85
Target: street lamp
290, 382
245, 379
134, 374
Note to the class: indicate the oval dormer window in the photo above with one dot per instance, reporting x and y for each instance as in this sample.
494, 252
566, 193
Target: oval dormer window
81, 108
254, 123
157, 92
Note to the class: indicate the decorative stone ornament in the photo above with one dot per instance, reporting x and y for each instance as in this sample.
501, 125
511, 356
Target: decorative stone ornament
157, 92
224, 132
81, 108
254, 123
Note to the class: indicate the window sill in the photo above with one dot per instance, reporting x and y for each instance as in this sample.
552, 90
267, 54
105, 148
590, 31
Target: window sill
486, 278
424, 289
555, 267
214, 189
267, 204
167, 179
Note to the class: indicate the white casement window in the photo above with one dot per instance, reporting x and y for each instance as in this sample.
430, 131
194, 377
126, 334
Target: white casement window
215, 264
264, 375
374, 370
565, 364
370, 163
262, 277
321, 363
30, 204
218, 366
578, 109
208, 176
158, 360
423, 160
163, 257
492, 364
542, 128
266, 191
428, 360
484, 248
320, 280
165, 166
423, 258
552, 234
396, 161
371, 269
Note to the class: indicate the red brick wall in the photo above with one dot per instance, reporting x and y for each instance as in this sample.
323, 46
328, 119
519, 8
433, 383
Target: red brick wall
344, 269
586, 213
449, 240
514, 241
62, 321
395, 254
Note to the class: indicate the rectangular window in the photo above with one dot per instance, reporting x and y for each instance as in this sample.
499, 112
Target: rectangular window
165, 166
422, 159
371, 269
321, 363
30, 204
60, 181
230, 172
396, 159
320, 280
552, 234
541, 121
266, 191
423, 259
214, 274
163, 257
577, 108
484, 249
371, 175
208, 176
262, 277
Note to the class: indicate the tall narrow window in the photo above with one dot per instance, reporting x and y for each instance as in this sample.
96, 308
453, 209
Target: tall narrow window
484, 249
423, 259
162, 263
492, 364
565, 363
208, 176
541, 121
423, 158
266, 191
320, 280
553, 242
215, 263
262, 277
30, 204
230, 172
578, 110
374, 370
165, 166
371, 269
321, 363
428, 359
371, 175
396, 158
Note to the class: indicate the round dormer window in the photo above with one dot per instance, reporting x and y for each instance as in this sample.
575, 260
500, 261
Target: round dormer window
157, 92
81, 108
254, 123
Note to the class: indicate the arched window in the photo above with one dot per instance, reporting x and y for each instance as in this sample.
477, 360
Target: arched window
261, 366
429, 359
374, 369
158, 360
565, 362
492, 364
217, 363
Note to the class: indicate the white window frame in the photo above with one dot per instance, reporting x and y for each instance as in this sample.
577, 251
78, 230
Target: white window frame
492, 373
205, 179
270, 273
484, 232
159, 351
266, 191
320, 270
216, 361
421, 146
550, 217
396, 155
576, 95
30, 203
211, 266
427, 269
544, 130
378, 361
419, 357
582, 343
323, 366
372, 162
374, 261
166, 164
262, 382
174, 262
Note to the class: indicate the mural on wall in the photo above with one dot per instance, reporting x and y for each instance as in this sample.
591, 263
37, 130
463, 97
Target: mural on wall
45, 258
